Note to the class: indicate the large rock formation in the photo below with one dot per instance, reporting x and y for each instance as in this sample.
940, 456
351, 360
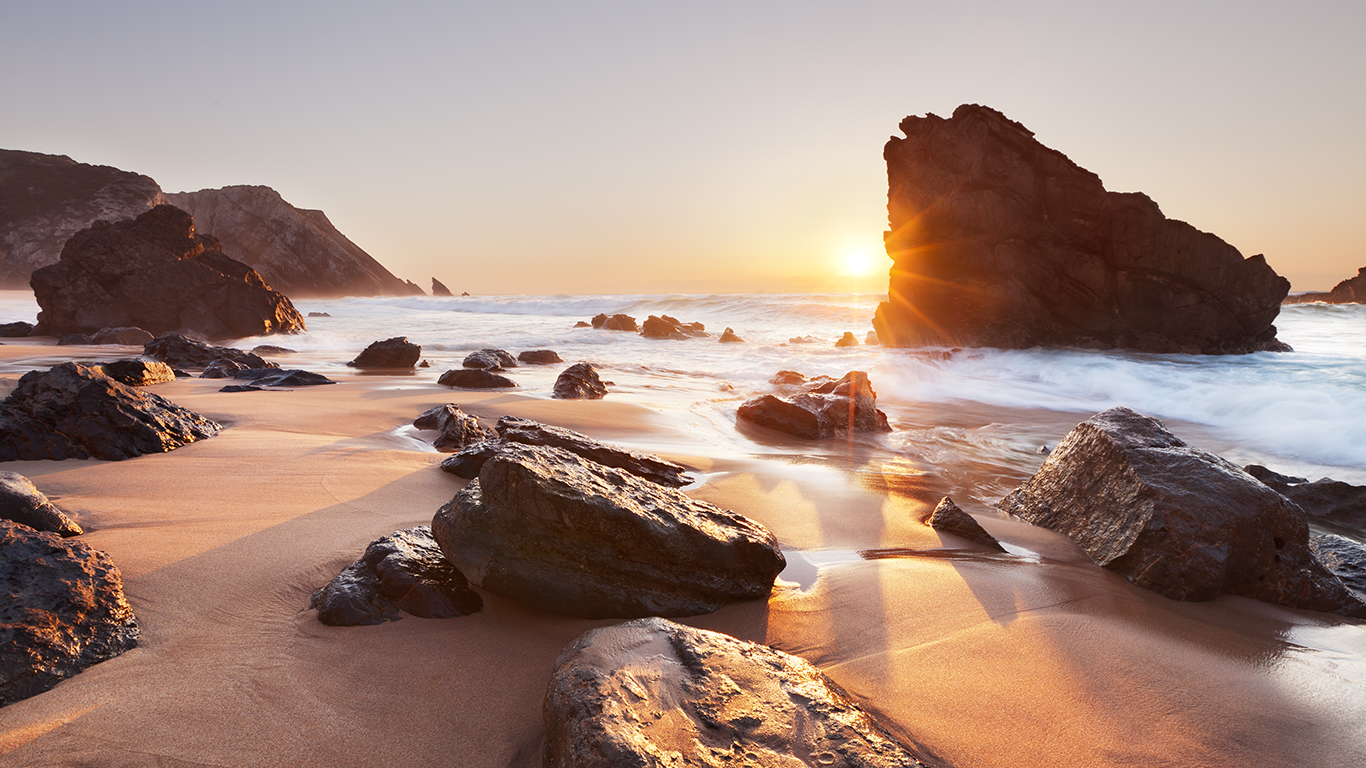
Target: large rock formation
999, 241
45, 199
655, 693
1175, 519
62, 609
1349, 291
156, 273
571, 536
295, 250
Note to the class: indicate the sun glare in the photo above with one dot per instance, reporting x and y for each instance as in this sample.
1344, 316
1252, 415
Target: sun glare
857, 263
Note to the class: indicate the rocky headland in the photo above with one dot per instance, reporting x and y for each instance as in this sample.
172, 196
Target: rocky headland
1349, 291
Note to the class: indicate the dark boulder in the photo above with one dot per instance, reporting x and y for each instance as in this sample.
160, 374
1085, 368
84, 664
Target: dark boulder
271, 349
1345, 557
402, 571
76, 340
439, 288
282, 377
467, 461
787, 379
826, 409
470, 378
242, 388
1175, 519
847, 340
223, 368
131, 337
782, 415
62, 610
729, 336
539, 357
138, 373
949, 518
183, 352
1349, 291
15, 329
397, 352
579, 381
723, 702
1328, 502
489, 360
154, 272
571, 536
999, 241
21, 502
75, 411
615, 323
457, 429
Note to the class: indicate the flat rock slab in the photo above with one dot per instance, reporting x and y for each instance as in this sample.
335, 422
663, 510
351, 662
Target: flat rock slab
23, 503
62, 610
571, 536
183, 352
655, 693
1175, 519
402, 571
282, 377
75, 411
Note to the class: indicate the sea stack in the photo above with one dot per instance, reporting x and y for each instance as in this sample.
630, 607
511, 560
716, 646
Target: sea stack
999, 241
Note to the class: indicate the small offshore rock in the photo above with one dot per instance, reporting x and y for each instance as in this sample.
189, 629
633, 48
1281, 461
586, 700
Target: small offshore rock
439, 288
615, 323
183, 352
397, 352
787, 378
847, 340
871, 339
949, 518
803, 340
539, 357
128, 336
271, 349
471, 378
579, 381
402, 571
658, 328
318, 314
138, 373
458, 429
826, 409
583, 324
652, 692
728, 337
62, 610
21, 502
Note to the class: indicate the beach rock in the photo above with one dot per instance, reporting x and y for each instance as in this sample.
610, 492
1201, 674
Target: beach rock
1344, 557
21, 502
15, 329
182, 352
318, 314
1349, 291
728, 337
659, 328
583, 324
571, 536
466, 462
803, 340
1326, 501
615, 323
539, 357
652, 692
75, 340
243, 388
62, 610
871, 339
947, 517
826, 409
154, 272
579, 381
271, 349
458, 429
787, 379
132, 337
489, 360
296, 250
397, 352
469, 378
75, 411
402, 571
138, 373
1175, 519
221, 368
282, 377
439, 288
847, 340
999, 241
45, 199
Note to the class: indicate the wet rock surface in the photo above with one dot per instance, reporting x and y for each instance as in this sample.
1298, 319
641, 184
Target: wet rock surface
579, 381
1345, 557
826, 408
999, 241
539, 357
456, 428
1175, 519
282, 377
184, 352
489, 360
404, 571
653, 692
62, 610
615, 323
21, 502
1329, 503
75, 411
949, 518
138, 373
473, 378
571, 536
397, 352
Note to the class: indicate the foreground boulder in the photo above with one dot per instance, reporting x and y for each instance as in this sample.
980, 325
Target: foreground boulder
62, 609
75, 411
579, 381
473, 378
511, 429
1328, 502
1175, 519
402, 571
1349, 291
397, 352
182, 352
154, 272
999, 241
457, 429
571, 536
21, 502
655, 693
949, 518
826, 409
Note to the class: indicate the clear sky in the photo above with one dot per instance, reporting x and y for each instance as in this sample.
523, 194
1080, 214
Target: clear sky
608, 147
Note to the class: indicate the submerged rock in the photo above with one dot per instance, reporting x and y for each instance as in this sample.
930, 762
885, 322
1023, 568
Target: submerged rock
539, 357
183, 352
21, 502
62, 610
138, 373
397, 352
75, 411
1175, 519
271, 349
471, 378
457, 429
402, 571
579, 381
571, 536
826, 409
949, 518
652, 692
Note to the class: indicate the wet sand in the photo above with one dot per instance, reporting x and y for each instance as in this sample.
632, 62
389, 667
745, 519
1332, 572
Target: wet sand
1033, 658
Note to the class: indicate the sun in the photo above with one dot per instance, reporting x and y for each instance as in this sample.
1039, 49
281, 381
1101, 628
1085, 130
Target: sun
857, 262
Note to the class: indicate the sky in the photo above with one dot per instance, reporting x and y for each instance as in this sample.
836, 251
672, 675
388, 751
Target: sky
650, 147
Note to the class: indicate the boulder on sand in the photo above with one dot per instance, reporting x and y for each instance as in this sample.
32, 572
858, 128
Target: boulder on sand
76, 411
457, 429
182, 352
62, 610
489, 360
397, 352
282, 377
1175, 519
539, 357
138, 373
23, 503
571, 536
579, 381
402, 571
826, 409
1345, 557
652, 692
16, 329
949, 518
472, 378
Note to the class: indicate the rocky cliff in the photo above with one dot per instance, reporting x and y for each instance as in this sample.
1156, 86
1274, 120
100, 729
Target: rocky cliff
1349, 291
45, 199
297, 251
999, 241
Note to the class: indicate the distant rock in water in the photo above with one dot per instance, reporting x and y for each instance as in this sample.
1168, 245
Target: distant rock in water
579, 381
318, 314
729, 337
999, 241
827, 408
616, 323
154, 272
397, 352
1349, 291
45, 199
439, 288
847, 340
474, 378
296, 250
539, 357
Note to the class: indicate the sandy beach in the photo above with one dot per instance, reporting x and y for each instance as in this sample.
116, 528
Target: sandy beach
1034, 657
